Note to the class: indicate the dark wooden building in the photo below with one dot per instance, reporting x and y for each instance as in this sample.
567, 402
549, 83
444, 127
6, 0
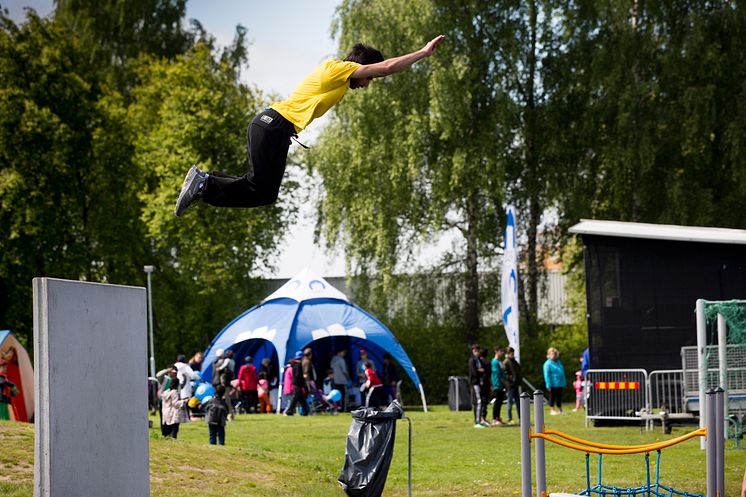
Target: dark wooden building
642, 282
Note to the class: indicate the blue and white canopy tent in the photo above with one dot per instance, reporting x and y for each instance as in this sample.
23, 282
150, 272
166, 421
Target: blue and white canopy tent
308, 311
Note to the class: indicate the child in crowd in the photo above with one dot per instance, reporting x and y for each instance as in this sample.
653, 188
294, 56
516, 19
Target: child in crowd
373, 385
216, 415
262, 389
328, 384
174, 409
287, 385
578, 385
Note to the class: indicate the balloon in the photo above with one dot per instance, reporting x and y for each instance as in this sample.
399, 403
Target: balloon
335, 395
193, 402
207, 399
203, 391
198, 374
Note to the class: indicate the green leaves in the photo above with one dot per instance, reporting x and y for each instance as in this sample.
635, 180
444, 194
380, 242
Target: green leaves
92, 157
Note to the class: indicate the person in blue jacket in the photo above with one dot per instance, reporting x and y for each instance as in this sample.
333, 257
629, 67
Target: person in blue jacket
554, 378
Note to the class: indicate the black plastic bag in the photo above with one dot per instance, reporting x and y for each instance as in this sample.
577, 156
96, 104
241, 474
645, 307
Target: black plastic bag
370, 447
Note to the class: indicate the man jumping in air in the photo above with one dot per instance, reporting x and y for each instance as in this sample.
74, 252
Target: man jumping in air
270, 131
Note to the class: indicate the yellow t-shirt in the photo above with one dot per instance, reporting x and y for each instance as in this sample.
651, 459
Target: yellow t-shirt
317, 93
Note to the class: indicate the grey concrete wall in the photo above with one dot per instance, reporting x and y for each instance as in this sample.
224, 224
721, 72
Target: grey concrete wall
90, 366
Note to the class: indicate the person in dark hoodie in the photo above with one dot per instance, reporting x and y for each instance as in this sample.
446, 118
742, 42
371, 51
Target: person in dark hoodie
216, 415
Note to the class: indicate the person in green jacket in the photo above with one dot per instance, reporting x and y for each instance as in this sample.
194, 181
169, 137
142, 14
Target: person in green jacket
554, 378
498, 390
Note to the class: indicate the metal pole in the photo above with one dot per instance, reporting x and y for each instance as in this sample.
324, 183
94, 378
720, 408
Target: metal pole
525, 445
409, 461
541, 472
723, 359
712, 437
720, 444
702, 364
148, 270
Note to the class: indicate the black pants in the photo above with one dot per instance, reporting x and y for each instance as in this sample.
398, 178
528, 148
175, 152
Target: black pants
555, 397
171, 430
268, 142
299, 397
485, 390
499, 396
249, 400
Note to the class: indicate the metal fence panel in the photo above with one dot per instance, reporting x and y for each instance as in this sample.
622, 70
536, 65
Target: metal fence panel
666, 391
616, 393
736, 364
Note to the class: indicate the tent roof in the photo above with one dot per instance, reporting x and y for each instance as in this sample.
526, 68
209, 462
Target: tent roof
659, 231
307, 285
3, 335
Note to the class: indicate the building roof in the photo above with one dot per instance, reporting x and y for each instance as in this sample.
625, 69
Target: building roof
659, 232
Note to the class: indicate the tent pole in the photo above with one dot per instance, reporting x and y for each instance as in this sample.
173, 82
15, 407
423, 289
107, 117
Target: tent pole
422, 396
279, 391
702, 364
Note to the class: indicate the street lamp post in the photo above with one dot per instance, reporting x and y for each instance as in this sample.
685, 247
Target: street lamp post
148, 270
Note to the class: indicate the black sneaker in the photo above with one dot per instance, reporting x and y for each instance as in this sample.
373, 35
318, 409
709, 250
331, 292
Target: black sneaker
191, 190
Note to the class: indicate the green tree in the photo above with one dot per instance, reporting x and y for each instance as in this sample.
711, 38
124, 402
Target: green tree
194, 111
653, 112
67, 187
420, 153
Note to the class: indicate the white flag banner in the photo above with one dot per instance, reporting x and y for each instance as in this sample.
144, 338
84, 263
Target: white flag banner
509, 287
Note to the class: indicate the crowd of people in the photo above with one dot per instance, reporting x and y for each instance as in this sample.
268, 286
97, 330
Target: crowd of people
339, 390
244, 390
493, 381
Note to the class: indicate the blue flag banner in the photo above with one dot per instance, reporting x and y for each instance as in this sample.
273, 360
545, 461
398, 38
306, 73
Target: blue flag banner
509, 286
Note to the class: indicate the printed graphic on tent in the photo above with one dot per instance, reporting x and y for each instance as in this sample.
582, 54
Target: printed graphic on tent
308, 311
15, 362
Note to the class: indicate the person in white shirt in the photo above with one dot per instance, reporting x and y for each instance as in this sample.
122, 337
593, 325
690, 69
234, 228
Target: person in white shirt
185, 374
341, 374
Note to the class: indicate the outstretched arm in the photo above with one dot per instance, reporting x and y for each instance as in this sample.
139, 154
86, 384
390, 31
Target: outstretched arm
397, 64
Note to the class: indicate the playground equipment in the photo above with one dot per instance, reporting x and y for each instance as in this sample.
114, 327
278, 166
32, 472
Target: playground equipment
713, 431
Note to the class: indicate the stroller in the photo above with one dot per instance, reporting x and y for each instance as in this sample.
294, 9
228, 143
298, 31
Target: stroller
320, 402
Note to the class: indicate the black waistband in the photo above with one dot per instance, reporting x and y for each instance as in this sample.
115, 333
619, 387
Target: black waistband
281, 121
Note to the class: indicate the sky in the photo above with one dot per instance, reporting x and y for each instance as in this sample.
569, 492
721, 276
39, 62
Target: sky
288, 39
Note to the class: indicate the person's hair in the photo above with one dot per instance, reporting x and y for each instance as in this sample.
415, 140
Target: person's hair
262, 375
220, 391
194, 357
364, 54
499, 348
181, 358
386, 355
511, 350
174, 383
248, 359
550, 350
368, 364
474, 346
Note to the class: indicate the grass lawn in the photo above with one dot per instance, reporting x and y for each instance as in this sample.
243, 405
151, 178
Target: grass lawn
269, 455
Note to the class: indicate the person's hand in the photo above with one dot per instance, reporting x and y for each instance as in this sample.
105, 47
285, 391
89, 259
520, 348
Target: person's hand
429, 49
